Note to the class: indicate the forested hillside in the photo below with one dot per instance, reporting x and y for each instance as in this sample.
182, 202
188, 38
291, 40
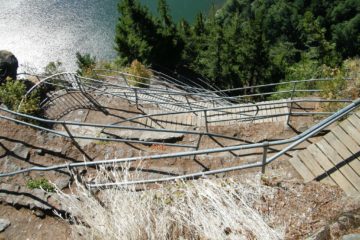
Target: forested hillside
246, 42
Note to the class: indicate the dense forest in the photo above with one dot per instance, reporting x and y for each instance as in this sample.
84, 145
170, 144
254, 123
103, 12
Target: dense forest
245, 42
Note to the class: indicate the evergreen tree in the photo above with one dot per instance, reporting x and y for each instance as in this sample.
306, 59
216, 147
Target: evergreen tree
139, 35
211, 60
246, 42
136, 33
169, 47
317, 47
253, 54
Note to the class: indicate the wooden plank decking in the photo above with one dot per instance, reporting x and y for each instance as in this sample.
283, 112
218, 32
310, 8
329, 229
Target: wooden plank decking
183, 121
335, 159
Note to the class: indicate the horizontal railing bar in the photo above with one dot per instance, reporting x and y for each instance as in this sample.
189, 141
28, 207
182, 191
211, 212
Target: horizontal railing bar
105, 126
61, 134
300, 138
232, 107
311, 131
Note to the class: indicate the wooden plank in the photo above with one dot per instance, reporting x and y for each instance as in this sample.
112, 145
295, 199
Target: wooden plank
262, 113
311, 163
281, 110
354, 119
269, 112
344, 152
334, 157
277, 110
335, 174
302, 169
357, 114
341, 180
347, 140
351, 130
266, 112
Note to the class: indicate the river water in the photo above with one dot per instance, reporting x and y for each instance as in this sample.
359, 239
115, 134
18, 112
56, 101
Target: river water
40, 31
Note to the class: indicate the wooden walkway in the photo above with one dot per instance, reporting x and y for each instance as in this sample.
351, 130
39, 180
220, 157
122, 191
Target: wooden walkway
183, 121
335, 159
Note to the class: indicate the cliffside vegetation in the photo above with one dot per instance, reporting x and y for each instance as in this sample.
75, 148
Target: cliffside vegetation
12, 93
246, 42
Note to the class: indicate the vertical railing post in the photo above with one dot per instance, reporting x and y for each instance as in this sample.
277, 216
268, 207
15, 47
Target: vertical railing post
76, 144
126, 81
291, 103
265, 150
136, 97
206, 121
127, 98
188, 102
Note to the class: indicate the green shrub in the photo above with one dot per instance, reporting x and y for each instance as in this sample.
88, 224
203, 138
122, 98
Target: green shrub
141, 75
346, 84
86, 64
338, 88
41, 183
12, 93
53, 68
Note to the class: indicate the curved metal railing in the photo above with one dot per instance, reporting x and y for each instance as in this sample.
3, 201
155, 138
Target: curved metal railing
264, 145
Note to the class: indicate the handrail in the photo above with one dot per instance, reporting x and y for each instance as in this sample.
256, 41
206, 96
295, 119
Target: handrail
162, 100
294, 142
203, 93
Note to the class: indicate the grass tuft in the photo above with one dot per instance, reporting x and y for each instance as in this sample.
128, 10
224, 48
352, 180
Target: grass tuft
202, 209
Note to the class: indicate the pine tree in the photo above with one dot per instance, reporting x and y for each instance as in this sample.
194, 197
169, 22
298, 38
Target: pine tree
211, 57
136, 33
169, 47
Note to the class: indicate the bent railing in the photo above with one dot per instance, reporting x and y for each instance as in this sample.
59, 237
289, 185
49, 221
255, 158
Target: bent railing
165, 96
264, 145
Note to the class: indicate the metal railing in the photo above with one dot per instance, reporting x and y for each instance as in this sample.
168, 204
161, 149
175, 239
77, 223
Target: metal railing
165, 96
70, 82
264, 145
174, 101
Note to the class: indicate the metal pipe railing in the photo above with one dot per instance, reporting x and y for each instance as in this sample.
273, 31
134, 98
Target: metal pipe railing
205, 94
294, 142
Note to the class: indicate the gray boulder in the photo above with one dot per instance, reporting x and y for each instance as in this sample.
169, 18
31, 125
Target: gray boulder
4, 223
8, 65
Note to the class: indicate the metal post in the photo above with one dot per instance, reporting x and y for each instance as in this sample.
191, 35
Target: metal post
291, 104
136, 98
265, 150
206, 121
187, 100
76, 144
126, 81
128, 99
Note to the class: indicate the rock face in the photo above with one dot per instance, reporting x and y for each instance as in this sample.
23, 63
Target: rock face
145, 135
21, 196
8, 65
4, 223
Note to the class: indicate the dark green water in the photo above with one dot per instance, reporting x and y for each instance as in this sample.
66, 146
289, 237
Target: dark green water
40, 31
186, 9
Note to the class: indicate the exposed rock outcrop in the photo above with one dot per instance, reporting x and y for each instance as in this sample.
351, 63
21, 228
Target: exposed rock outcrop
8, 65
